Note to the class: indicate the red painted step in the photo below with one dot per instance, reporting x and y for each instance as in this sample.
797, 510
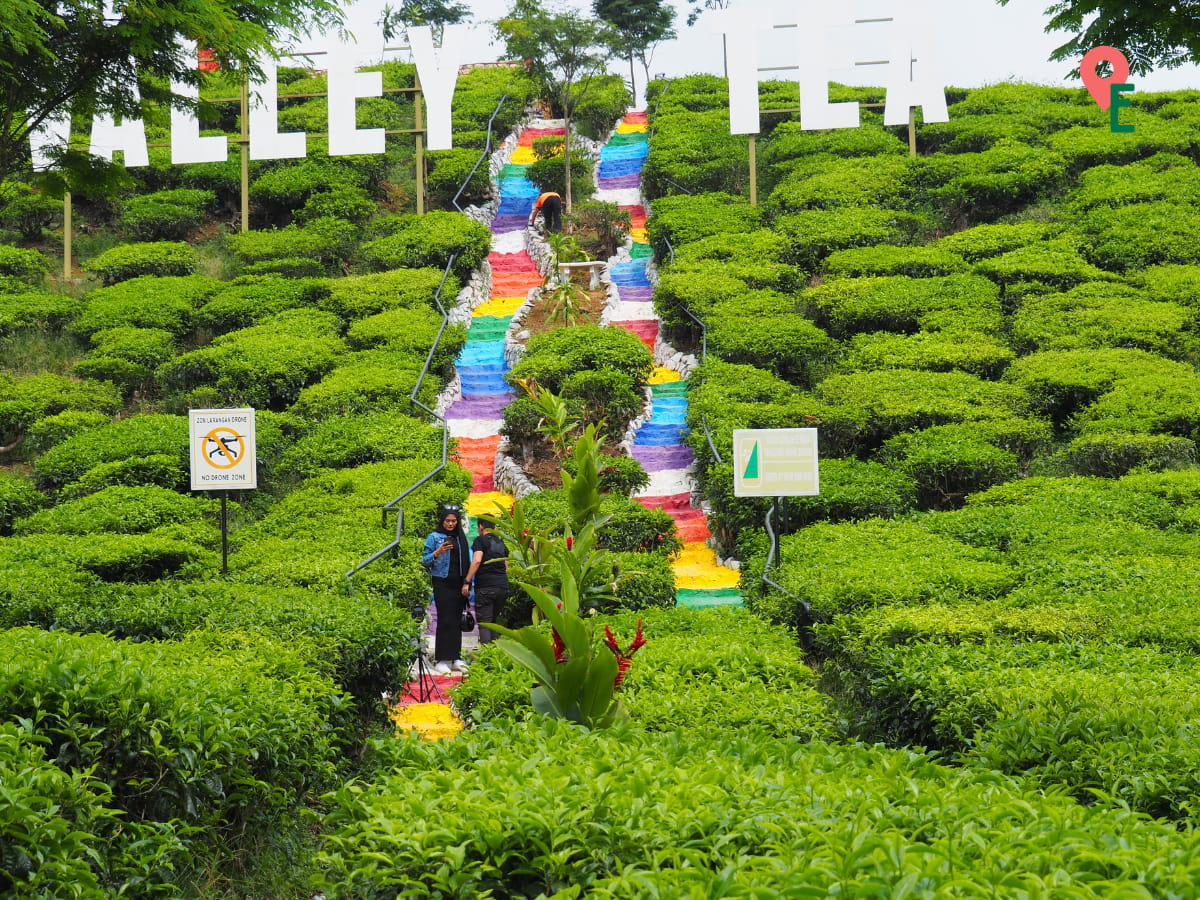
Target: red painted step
672, 503
525, 139
646, 329
511, 262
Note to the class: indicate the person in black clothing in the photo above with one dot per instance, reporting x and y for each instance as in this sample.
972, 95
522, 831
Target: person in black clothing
549, 205
448, 558
489, 574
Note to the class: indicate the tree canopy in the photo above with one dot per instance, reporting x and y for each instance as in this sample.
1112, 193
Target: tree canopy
75, 57
1153, 34
435, 13
639, 24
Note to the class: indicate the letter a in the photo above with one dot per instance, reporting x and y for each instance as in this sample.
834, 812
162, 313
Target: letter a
910, 86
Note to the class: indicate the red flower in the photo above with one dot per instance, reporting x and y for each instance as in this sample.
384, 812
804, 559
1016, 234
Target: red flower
569, 542
560, 649
624, 657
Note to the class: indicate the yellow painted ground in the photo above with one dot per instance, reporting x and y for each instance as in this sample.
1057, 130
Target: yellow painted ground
523, 156
696, 569
632, 127
639, 235
432, 721
663, 375
499, 306
485, 504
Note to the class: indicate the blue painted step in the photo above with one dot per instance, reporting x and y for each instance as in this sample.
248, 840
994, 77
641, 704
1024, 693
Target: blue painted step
651, 435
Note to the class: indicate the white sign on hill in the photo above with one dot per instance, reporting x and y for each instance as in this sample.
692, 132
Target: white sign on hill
222, 449
775, 462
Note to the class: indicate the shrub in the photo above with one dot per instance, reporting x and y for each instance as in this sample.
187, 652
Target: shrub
756, 257
347, 441
816, 233
550, 175
45, 433
605, 103
162, 469
366, 382
266, 365
937, 351
27, 211
28, 266
1165, 176
981, 187
853, 490
605, 397
646, 582
1175, 284
47, 311
283, 243
676, 221
1114, 453
23, 401
694, 152
341, 201
147, 302
878, 181
167, 215
128, 261
160, 553
366, 295
431, 240
983, 241
917, 262
119, 510
763, 330
288, 267
948, 462
631, 529
1085, 146
552, 356
955, 303
285, 188
1142, 234
1054, 263
18, 498
1103, 315
450, 171
1146, 404
410, 332
136, 437
250, 298
789, 142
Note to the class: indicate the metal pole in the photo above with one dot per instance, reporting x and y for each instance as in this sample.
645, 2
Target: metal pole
753, 171
224, 533
419, 124
245, 145
775, 533
67, 226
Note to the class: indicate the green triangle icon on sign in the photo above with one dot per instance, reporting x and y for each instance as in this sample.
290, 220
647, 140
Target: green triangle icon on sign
752, 463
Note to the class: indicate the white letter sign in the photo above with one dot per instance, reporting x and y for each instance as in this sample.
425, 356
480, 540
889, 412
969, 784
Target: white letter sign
187, 146
345, 87
265, 140
438, 76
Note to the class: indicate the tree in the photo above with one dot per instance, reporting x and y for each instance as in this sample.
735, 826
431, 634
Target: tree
699, 6
639, 25
60, 57
564, 51
435, 13
1151, 33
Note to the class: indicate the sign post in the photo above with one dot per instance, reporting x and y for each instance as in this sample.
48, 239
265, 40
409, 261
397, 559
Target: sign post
776, 463
223, 456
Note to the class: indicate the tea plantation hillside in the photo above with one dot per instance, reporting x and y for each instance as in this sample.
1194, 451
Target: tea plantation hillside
976, 677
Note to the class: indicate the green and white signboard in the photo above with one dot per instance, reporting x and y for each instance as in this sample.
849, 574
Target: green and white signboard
775, 462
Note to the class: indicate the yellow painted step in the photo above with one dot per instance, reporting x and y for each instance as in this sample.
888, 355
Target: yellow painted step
632, 127
663, 375
432, 721
523, 156
485, 504
695, 568
499, 306
639, 235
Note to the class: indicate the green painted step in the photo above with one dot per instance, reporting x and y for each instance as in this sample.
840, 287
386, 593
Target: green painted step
640, 251
515, 170
670, 389
624, 139
696, 599
488, 328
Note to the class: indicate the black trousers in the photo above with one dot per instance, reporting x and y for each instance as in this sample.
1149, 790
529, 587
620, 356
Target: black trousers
488, 603
448, 601
552, 214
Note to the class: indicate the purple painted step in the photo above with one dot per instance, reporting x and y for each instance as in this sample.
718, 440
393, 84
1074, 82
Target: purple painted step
660, 459
620, 181
486, 407
506, 222
635, 293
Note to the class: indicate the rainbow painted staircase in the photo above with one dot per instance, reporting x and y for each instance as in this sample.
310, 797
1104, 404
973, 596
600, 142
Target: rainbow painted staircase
658, 443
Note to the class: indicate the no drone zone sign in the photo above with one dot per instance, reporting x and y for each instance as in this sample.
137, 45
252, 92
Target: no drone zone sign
222, 449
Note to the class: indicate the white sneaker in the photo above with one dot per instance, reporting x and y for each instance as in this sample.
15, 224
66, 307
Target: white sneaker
460, 666
442, 668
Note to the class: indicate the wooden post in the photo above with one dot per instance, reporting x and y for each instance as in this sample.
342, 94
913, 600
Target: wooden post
912, 131
753, 171
245, 145
67, 225
419, 125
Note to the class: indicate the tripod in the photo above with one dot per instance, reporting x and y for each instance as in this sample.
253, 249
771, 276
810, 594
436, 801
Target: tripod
427, 690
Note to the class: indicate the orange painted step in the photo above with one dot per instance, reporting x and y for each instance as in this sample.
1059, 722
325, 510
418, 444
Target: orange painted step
515, 284
636, 118
694, 530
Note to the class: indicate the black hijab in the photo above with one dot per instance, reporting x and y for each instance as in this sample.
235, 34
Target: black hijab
460, 553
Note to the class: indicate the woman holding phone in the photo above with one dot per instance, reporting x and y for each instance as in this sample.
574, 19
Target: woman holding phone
447, 556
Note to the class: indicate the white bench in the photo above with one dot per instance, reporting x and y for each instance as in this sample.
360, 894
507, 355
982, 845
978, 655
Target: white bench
595, 265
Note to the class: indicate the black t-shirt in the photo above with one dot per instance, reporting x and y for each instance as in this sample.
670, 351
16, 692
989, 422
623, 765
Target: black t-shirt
490, 574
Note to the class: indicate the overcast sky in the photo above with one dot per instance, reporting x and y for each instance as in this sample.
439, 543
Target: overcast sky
976, 42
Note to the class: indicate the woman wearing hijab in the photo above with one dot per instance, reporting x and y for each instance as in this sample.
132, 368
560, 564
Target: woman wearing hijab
447, 556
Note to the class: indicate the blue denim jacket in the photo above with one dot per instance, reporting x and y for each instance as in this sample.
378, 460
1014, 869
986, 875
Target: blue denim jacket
439, 566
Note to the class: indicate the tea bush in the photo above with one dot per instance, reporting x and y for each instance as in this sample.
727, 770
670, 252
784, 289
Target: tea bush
409, 331
937, 351
28, 211
245, 300
283, 243
917, 262
1113, 453
816, 233
159, 553
1141, 234
1145, 404
147, 302
45, 433
646, 582
901, 304
877, 181
29, 310
694, 152
850, 490
1056, 263
18, 498
984, 241
1084, 146
136, 437
128, 261
983, 186
552, 356
370, 381
1172, 283
265, 365
948, 462
1165, 176
347, 202
431, 240
286, 187
450, 171
679, 220
352, 440
763, 330
366, 295
23, 264
550, 175
1092, 316
167, 215
24, 401
632, 528
756, 257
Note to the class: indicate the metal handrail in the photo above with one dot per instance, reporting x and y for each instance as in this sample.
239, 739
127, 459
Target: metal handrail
703, 357
805, 620
487, 149
393, 504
